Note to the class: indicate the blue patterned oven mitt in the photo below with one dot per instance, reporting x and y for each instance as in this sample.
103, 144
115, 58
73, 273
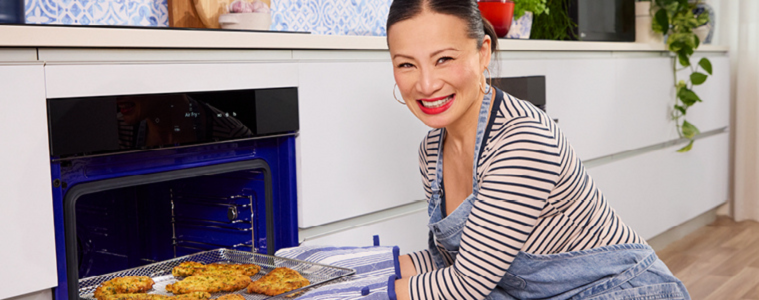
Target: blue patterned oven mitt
376, 268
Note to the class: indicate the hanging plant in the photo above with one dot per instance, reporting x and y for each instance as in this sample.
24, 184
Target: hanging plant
675, 19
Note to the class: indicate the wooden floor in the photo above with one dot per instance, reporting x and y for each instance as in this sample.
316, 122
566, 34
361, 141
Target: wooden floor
719, 261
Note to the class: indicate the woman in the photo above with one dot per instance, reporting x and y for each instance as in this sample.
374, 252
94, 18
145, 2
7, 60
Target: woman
513, 214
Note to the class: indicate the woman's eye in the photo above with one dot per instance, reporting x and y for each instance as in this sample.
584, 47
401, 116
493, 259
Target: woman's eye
443, 59
405, 65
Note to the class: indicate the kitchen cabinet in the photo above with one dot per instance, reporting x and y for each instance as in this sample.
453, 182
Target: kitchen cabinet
661, 189
26, 207
358, 146
608, 105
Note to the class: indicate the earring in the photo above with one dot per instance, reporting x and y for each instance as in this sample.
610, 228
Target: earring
490, 87
396, 98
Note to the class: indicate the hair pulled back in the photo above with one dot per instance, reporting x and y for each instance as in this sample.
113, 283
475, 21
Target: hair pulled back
467, 10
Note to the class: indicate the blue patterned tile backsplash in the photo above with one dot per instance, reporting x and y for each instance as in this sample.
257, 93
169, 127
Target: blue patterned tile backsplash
98, 12
334, 17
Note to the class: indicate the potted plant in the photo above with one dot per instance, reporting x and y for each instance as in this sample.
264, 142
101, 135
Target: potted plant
676, 20
524, 12
557, 25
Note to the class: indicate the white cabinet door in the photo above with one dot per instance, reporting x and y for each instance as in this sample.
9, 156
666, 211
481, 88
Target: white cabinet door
661, 189
129, 79
27, 236
611, 105
409, 232
358, 146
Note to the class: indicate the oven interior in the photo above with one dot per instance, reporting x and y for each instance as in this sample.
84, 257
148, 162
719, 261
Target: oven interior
133, 226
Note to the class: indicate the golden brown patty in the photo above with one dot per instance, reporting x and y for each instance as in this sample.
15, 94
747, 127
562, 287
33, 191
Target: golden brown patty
192, 296
124, 285
246, 269
209, 283
231, 297
195, 268
187, 268
278, 281
136, 297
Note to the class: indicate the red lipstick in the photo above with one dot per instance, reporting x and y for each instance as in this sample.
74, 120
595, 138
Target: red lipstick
436, 110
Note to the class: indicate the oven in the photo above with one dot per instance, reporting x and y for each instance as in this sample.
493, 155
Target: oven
140, 178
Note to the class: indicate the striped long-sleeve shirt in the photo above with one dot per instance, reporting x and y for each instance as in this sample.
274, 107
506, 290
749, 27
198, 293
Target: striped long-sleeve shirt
534, 196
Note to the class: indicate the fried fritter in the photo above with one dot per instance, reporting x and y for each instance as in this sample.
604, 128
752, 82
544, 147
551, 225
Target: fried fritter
246, 269
278, 281
195, 268
187, 268
209, 283
124, 285
136, 297
192, 296
231, 297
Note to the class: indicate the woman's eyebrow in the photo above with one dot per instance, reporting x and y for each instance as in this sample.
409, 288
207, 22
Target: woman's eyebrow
402, 55
431, 55
441, 50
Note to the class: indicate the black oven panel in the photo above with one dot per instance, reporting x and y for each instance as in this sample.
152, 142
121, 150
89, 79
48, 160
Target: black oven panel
96, 125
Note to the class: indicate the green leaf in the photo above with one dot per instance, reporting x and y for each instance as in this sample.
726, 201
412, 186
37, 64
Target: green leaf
706, 65
696, 41
697, 78
683, 58
688, 51
686, 148
680, 109
702, 19
688, 97
689, 131
673, 45
662, 19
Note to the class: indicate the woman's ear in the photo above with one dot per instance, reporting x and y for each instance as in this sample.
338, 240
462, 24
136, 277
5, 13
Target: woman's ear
485, 53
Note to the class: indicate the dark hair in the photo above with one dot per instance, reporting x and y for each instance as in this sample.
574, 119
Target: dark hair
467, 10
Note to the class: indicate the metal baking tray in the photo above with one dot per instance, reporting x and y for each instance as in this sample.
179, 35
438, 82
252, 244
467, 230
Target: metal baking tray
161, 272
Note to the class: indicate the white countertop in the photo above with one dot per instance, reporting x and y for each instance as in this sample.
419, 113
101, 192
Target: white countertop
171, 38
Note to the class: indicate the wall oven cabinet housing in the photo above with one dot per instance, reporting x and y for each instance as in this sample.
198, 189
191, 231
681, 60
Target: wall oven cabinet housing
144, 173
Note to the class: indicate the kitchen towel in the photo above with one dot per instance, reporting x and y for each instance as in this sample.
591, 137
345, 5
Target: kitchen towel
373, 266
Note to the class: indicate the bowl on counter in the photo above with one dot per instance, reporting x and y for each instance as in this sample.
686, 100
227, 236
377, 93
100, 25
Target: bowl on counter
499, 13
245, 21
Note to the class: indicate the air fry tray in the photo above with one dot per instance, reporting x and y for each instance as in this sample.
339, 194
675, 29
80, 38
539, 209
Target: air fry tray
161, 272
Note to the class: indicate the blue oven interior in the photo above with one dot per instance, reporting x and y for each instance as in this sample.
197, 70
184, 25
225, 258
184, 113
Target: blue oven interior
123, 209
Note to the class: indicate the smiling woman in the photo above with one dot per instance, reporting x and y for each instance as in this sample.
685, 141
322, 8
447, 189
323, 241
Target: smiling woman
513, 214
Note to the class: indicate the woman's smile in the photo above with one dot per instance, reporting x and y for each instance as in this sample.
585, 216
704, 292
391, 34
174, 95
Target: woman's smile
434, 106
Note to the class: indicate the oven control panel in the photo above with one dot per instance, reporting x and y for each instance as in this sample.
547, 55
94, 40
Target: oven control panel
97, 125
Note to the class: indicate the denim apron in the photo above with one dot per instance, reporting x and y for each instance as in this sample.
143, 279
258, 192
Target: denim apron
627, 271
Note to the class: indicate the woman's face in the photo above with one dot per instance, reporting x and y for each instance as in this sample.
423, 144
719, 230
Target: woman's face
437, 67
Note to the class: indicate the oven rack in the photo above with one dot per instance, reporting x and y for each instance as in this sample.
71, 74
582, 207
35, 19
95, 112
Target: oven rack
160, 272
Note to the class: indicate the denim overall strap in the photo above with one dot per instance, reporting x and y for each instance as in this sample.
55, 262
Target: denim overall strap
445, 233
482, 123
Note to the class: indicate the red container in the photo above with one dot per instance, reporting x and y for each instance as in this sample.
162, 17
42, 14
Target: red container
499, 13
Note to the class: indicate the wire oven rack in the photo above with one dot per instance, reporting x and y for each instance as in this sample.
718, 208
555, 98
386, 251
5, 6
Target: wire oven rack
160, 272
